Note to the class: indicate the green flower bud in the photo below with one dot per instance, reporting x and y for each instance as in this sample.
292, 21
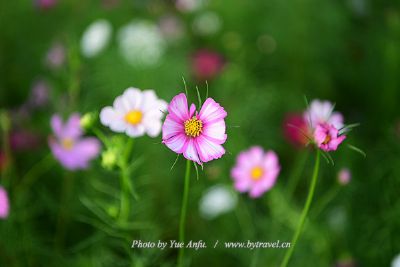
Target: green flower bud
88, 120
109, 159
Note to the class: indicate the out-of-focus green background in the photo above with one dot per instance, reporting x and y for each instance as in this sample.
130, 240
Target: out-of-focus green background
275, 53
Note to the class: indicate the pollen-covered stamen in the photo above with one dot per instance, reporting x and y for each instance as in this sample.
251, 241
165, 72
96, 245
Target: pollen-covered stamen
193, 127
67, 143
328, 138
134, 117
256, 173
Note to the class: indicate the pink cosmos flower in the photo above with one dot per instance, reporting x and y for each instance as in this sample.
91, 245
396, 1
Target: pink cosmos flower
197, 135
255, 171
206, 64
322, 112
4, 205
327, 137
344, 176
69, 147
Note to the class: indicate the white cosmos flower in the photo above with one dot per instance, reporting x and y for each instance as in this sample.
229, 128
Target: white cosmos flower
217, 200
141, 43
396, 261
96, 37
135, 112
322, 112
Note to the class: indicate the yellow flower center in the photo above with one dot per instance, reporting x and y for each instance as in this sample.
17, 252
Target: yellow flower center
134, 117
67, 143
328, 138
256, 173
193, 127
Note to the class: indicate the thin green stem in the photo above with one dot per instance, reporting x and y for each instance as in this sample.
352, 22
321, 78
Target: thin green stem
182, 220
125, 183
304, 213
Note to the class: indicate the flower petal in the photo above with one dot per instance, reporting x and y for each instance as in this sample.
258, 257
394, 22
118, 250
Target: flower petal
152, 127
207, 149
190, 151
113, 119
211, 111
215, 131
87, 148
176, 142
133, 98
57, 125
179, 107
72, 129
135, 131
171, 127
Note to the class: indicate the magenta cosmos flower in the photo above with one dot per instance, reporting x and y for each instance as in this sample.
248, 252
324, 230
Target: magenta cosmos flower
296, 129
327, 137
4, 205
197, 135
206, 64
255, 171
69, 147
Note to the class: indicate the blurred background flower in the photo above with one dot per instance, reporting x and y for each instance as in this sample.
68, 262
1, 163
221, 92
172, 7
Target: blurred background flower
217, 200
96, 37
344, 176
56, 56
4, 204
141, 43
206, 64
73, 151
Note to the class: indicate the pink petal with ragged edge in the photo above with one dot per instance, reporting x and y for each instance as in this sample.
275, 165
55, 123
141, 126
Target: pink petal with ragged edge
211, 111
190, 152
334, 143
178, 107
207, 149
171, 127
176, 143
215, 131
